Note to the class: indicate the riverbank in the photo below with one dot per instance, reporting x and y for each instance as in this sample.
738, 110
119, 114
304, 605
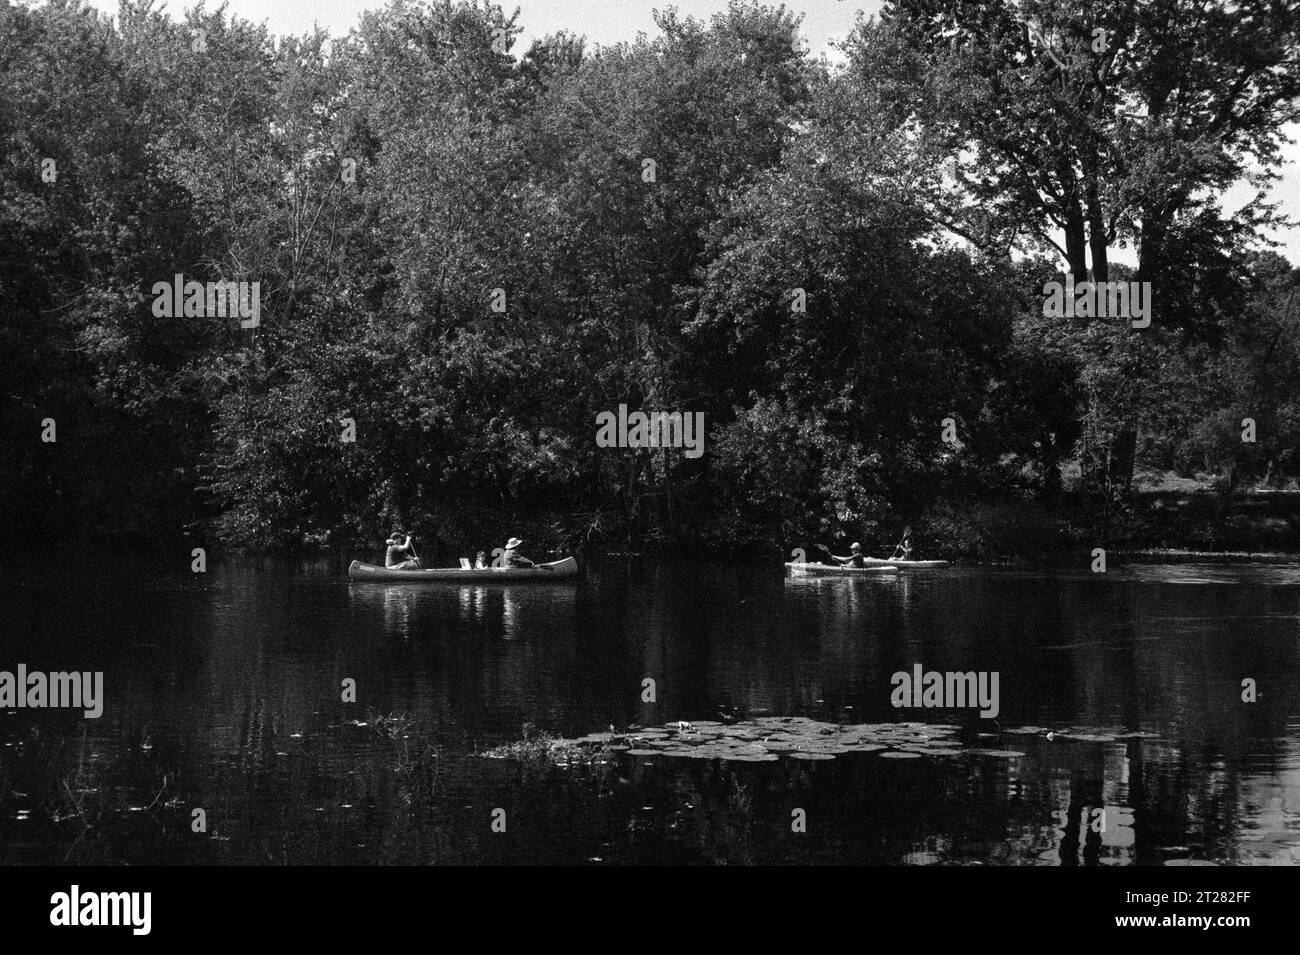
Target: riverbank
1151, 522
1159, 523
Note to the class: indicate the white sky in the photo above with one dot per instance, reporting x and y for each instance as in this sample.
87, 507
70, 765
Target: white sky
609, 21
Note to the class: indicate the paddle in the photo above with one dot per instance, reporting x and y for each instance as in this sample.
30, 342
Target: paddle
411, 544
907, 532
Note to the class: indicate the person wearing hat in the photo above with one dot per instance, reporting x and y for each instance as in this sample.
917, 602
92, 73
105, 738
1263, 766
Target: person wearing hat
512, 557
854, 558
401, 555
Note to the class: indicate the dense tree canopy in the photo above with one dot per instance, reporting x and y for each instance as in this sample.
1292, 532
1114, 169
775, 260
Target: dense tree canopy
466, 251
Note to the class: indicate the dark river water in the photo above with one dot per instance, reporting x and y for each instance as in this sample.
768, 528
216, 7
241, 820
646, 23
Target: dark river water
223, 692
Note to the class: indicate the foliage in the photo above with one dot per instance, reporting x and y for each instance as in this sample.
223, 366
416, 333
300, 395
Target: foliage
382, 186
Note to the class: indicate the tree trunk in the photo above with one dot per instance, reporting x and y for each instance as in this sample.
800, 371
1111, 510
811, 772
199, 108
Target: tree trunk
1123, 456
1075, 244
1097, 235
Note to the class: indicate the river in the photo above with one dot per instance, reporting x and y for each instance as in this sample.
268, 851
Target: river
1124, 732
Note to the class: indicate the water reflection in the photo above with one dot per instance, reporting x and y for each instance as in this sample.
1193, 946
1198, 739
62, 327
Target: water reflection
225, 692
1234, 574
503, 610
471, 602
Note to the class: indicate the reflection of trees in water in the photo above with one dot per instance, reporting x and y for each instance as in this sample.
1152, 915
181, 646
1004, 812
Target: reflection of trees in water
224, 679
1184, 796
1271, 804
1084, 785
1041, 809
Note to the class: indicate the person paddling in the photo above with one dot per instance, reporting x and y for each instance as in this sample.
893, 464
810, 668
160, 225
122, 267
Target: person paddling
512, 557
401, 553
904, 549
855, 556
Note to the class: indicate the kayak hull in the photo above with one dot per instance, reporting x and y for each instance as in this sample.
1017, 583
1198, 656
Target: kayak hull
559, 570
831, 570
914, 564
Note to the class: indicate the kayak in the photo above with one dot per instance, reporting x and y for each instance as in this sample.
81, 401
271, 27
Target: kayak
879, 561
559, 570
834, 570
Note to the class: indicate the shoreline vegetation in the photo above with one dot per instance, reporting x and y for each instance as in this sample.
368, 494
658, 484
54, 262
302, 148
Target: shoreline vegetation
467, 254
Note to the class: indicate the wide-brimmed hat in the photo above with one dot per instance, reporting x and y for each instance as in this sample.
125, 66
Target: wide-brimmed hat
513, 543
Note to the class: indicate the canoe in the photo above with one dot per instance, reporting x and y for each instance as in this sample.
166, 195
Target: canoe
880, 561
559, 570
834, 570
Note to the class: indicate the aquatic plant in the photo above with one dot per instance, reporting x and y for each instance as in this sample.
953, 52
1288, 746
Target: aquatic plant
393, 726
535, 746
766, 739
